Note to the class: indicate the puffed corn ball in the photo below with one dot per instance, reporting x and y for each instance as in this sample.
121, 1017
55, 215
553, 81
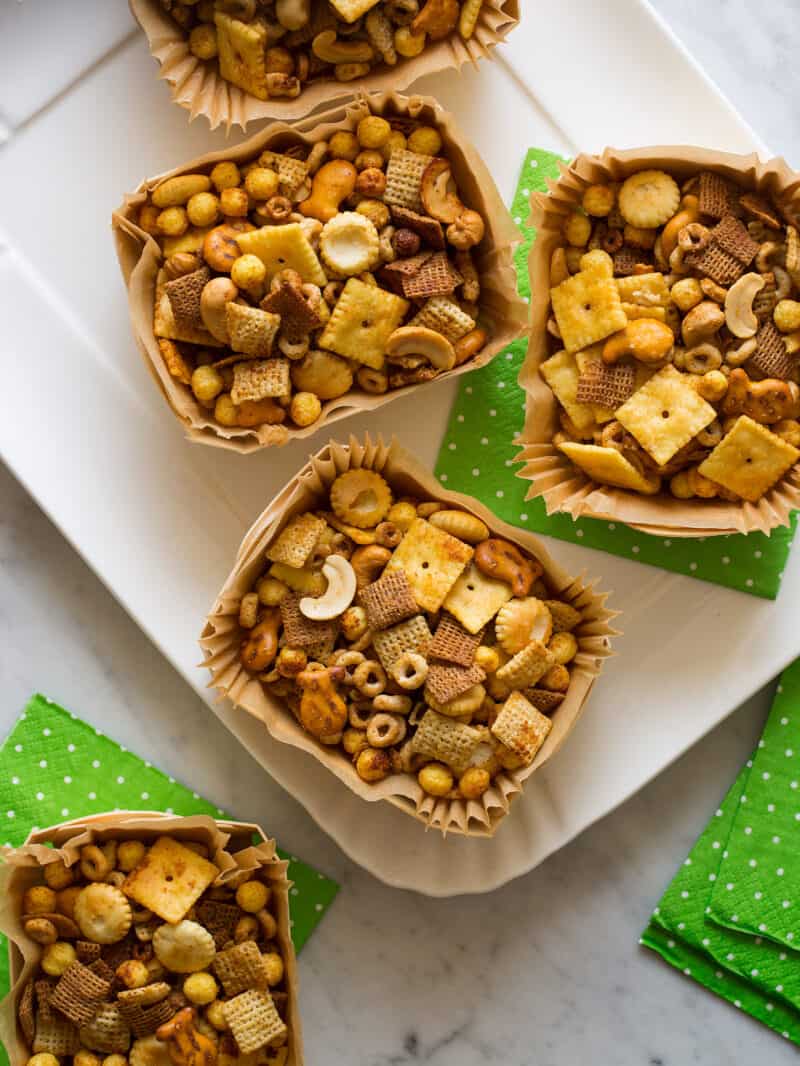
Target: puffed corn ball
564, 647
225, 175
85, 1058
353, 623
373, 764
173, 221
43, 1059
273, 965
203, 209
368, 159
354, 741
252, 896
248, 271
474, 782
409, 44
58, 875
373, 132
686, 293
396, 143
435, 779
261, 183
598, 200
39, 900
235, 203
271, 591
786, 315
246, 929
789, 430
402, 514
225, 410
200, 988
376, 211
115, 1060
207, 383
305, 408
129, 854
425, 140
556, 679
215, 1015
65, 900
203, 41
487, 659
577, 230
133, 973
712, 386
343, 145
57, 958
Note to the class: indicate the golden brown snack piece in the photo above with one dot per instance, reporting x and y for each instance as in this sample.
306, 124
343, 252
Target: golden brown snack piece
505, 562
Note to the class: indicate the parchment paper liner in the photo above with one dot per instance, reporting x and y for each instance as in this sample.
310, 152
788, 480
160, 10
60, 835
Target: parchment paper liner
20, 866
561, 485
198, 87
221, 636
501, 305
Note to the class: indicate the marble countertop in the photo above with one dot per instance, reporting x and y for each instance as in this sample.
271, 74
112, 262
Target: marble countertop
546, 970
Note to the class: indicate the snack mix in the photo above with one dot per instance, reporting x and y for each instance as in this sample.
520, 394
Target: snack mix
676, 315
405, 634
272, 48
146, 960
302, 276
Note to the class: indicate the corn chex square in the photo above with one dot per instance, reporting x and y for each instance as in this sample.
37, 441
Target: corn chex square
527, 666
361, 323
521, 728
56, 1035
561, 373
445, 317
411, 635
452, 742
665, 414
404, 179
240, 968
749, 459
283, 248
475, 598
169, 879
432, 561
296, 540
251, 331
608, 466
291, 172
253, 1020
241, 49
587, 308
258, 379
107, 1031
350, 10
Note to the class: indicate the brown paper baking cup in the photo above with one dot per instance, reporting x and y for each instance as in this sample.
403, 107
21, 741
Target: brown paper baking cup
197, 86
231, 847
222, 636
501, 308
562, 486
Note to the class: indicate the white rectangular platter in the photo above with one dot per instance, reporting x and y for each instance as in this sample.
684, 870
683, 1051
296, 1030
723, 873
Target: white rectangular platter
159, 519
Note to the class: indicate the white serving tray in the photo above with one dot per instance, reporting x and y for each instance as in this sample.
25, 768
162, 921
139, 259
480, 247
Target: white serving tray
159, 520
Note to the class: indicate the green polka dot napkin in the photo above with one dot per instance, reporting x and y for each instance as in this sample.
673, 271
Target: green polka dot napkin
54, 767
477, 456
731, 917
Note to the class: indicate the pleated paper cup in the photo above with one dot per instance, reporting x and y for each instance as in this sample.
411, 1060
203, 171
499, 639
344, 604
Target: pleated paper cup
196, 84
234, 847
222, 636
562, 486
502, 311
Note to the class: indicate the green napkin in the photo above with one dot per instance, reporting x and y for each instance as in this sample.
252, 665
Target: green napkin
54, 767
724, 920
478, 454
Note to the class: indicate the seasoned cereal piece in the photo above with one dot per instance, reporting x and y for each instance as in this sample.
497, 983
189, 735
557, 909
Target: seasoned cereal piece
521, 728
242, 47
665, 414
362, 322
432, 561
474, 598
527, 666
240, 968
170, 879
609, 466
252, 331
412, 636
295, 543
253, 1020
442, 738
388, 600
749, 459
587, 308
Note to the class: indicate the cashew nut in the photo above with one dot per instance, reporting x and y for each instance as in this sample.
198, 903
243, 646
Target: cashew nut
701, 323
333, 182
215, 297
368, 562
327, 47
739, 317
339, 594
438, 192
417, 340
646, 339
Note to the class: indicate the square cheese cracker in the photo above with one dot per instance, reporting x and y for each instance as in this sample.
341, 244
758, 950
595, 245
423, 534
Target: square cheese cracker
431, 560
283, 248
665, 414
170, 879
475, 599
361, 323
609, 467
749, 459
561, 373
587, 309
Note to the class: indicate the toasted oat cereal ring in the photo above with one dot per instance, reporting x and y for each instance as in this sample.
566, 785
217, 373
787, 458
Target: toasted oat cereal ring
386, 730
410, 670
370, 678
693, 237
518, 622
103, 913
461, 524
361, 498
350, 660
185, 947
392, 703
649, 198
359, 713
95, 864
